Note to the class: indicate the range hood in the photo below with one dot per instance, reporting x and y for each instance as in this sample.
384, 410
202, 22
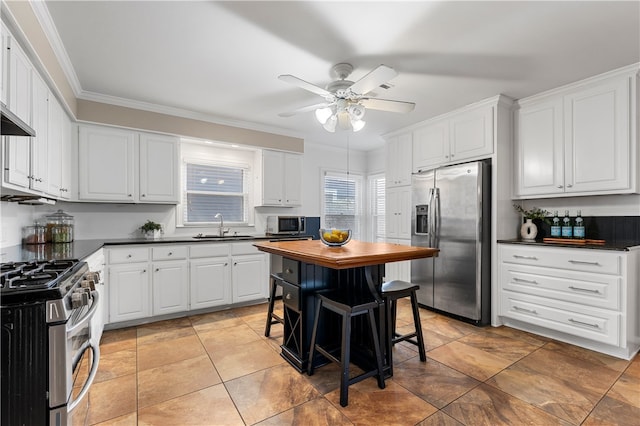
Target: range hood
12, 125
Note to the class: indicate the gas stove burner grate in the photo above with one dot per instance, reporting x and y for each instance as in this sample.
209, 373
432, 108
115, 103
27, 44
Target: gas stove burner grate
33, 280
15, 276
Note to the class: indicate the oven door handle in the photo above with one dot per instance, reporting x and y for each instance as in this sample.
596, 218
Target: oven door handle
95, 296
92, 375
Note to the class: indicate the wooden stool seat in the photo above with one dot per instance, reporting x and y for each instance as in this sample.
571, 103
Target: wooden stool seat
392, 291
347, 311
275, 281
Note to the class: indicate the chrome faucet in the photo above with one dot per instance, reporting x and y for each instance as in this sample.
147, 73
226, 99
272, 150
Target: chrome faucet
222, 231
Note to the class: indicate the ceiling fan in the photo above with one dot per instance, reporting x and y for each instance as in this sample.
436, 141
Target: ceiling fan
345, 102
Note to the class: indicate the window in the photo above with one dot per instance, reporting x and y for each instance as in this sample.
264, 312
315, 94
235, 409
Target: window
215, 180
377, 207
342, 201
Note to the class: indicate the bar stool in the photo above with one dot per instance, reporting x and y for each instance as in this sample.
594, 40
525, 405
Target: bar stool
347, 311
392, 291
276, 281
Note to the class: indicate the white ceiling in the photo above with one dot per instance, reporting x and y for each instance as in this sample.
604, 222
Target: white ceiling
222, 59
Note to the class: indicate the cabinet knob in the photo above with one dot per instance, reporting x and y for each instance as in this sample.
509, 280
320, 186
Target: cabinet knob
559, 186
569, 186
170, 253
143, 195
235, 263
226, 263
129, 195
144, 270
39, 180
128, 256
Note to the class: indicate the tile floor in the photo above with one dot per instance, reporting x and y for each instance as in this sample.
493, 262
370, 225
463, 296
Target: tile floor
219, 369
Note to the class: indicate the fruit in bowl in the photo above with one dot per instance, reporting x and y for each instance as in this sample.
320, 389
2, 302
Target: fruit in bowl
335, 237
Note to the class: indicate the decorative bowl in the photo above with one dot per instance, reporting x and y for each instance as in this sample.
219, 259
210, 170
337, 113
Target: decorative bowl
335, 237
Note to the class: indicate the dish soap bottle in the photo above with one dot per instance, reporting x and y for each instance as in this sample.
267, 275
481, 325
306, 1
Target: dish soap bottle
555, 225
578, 227
567, 229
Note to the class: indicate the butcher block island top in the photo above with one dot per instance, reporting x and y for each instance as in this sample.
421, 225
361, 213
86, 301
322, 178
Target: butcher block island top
352, 255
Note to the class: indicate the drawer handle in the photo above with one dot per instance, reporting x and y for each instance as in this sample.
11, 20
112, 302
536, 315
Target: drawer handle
530, 311
525, 281
517, 256
583, 262
588, 290
584, 323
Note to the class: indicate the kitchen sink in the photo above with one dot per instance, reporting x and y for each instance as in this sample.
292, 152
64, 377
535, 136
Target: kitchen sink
223, 237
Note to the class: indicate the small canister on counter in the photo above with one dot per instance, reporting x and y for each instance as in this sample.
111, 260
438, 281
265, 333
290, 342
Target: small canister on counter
59, 227
34, 234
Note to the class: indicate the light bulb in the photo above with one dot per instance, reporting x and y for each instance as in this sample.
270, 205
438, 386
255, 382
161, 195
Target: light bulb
323, 114
330, 124
357, 125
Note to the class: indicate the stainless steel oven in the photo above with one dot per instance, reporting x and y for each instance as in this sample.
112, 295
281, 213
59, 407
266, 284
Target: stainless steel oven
49, 359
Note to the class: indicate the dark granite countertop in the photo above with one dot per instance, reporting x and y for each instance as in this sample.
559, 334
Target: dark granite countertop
614, 245
81, 249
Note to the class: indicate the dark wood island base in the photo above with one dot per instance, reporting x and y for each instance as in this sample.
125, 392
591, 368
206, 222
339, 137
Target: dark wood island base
356, 270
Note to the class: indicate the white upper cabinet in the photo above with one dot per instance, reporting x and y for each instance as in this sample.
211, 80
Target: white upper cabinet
4, 60
578, 140
159, 169
107, 158
124, 166
19, 82
67, 161
281, 179
398, 161
398, 212
456, 136
40, 122
55, 148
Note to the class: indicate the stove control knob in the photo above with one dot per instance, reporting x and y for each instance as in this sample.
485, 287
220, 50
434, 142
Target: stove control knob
88, 283
95, 276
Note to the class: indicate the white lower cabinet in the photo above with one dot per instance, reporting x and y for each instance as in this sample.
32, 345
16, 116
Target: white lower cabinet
586, 297
159, 279
170, 287
129, 291
210, 282
398, 270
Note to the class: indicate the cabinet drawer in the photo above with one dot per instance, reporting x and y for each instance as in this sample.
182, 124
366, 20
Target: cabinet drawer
169, 252
291, 295
291, 271
128, 255
244, 248
589, 323
584, 260
599, 290
208, 250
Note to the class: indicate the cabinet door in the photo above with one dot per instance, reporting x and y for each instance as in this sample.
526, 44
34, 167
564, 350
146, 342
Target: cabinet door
17, 161
129, 292
170, 287
159, 169
19, 93
597, 138
398, 160
292, 179
40, 121
210, 282
272, 178
539, 149
54, 147
431, 145
249, 277
471, 134
106, 159
398, 212
4, 60
66, 162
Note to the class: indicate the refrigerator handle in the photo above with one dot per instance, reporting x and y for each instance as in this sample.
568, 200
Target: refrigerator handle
435, 217
430, 218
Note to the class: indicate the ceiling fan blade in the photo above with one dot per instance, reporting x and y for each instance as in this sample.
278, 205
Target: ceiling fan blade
305, 85
387, 105
305, 109
375, 78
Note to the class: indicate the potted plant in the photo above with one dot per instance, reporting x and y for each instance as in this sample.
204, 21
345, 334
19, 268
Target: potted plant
151, 230
529, 230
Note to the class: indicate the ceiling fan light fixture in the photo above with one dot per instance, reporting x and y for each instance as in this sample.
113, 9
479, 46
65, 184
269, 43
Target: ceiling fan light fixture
357, 125
356, 111
330, 123
323, 114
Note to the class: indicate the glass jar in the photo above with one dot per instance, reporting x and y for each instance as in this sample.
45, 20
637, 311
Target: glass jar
60, 227
34, 234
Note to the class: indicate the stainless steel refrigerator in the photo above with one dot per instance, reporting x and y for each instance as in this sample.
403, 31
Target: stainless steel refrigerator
451, 211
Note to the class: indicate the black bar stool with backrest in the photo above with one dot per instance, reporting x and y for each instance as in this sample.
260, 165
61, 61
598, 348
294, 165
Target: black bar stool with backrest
276, 281
392, 291
337, 303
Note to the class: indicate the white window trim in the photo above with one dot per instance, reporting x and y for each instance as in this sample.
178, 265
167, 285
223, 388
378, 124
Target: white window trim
361, 206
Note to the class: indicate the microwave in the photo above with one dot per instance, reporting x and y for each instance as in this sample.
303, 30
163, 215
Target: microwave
285, 225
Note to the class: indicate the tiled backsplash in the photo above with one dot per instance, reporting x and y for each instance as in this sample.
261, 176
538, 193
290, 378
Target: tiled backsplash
609, 228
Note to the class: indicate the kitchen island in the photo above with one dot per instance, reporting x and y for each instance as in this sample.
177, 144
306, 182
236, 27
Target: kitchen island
310, 266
